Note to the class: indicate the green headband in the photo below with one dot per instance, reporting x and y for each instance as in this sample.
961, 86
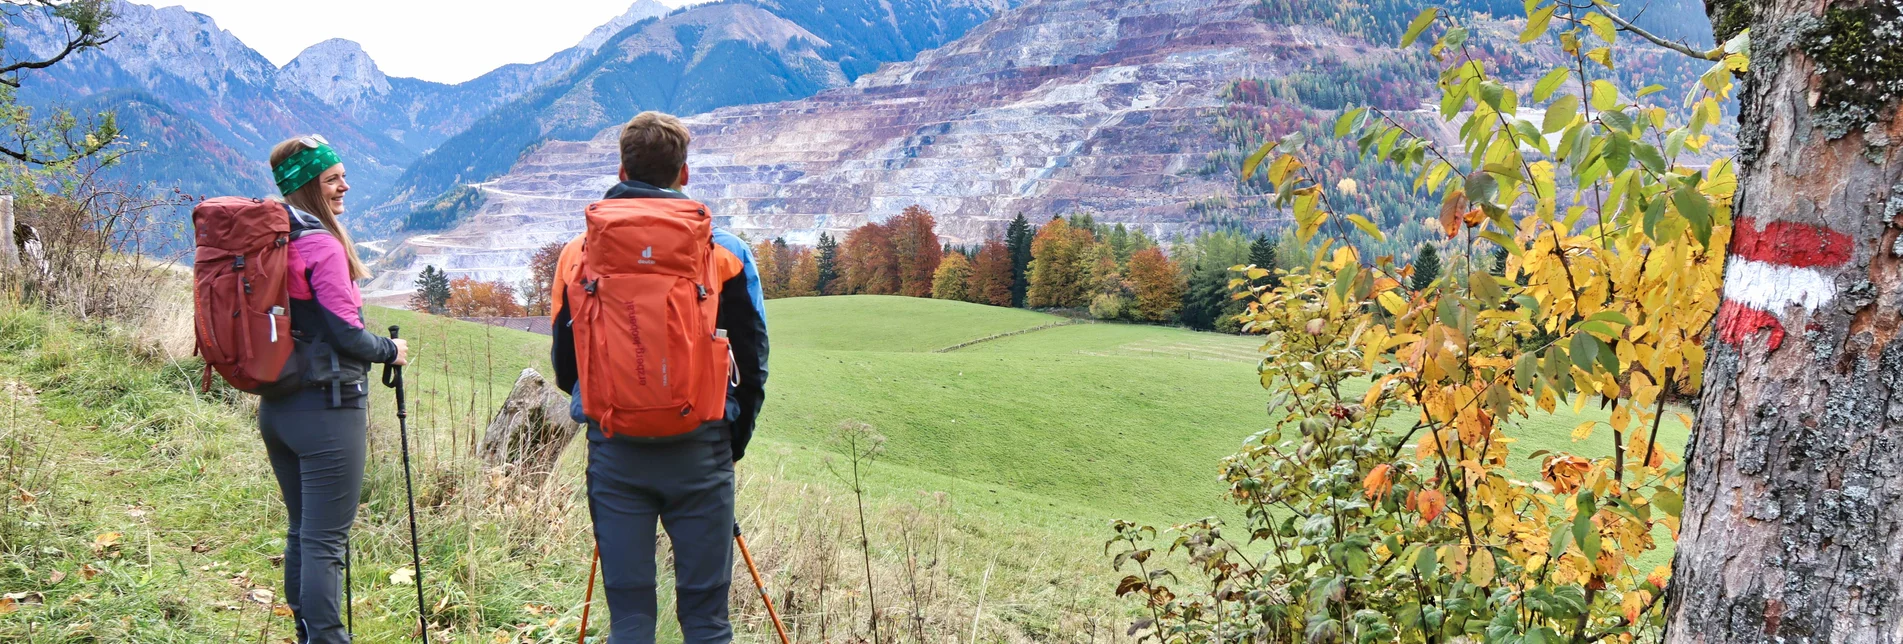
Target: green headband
303, 167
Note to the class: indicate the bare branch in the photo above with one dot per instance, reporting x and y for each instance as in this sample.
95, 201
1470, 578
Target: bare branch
1715, 54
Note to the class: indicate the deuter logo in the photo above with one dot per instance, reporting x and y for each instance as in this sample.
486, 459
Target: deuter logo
647, 255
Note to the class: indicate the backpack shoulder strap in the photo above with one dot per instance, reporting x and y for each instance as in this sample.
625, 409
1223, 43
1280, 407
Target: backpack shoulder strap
300, 234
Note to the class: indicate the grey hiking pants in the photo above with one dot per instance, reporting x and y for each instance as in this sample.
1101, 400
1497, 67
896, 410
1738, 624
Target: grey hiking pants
687, 486
318, 456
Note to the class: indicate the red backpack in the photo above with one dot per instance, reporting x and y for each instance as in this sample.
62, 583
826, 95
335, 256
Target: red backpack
643, 301
240, 293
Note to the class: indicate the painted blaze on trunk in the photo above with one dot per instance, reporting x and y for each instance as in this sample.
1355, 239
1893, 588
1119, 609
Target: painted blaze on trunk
1793, 521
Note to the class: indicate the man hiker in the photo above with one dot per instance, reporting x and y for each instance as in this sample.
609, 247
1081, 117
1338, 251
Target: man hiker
660, 336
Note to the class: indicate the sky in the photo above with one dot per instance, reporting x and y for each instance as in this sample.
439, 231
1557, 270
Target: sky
447, 41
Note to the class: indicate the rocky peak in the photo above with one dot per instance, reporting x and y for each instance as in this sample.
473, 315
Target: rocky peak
336, 71
637, 12
156, 43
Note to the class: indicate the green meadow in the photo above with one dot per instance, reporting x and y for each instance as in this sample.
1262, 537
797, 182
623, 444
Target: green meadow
143, 511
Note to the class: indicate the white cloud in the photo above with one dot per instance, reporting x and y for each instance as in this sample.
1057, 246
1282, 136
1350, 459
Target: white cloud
447, 41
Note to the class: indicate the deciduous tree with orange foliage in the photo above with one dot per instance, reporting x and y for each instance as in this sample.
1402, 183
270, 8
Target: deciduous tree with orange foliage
1060, 266
991, 275
469, 298
915, 247
1157, 283
871, 265
803, 281
542, 278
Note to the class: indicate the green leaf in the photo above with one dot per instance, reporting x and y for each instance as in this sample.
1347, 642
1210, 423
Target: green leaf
1249, 165
1583, 531
1536, 23
1675, 142
1617, 120
1696, 211
1649, 90
1669, 501
1598, 327
1549, 83
1482, 187
1611, 316
1560, 113
1649, 157
1654, 212
1367, 227
1605, 95
1500, 239
1494, 95
1454, 38
1349, 121
1618, 152
1427, 563
1419, 25
1585, 351
1292, 142
1560, 539
1608, 358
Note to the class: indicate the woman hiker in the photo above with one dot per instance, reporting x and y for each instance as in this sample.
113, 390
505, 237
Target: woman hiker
316, 436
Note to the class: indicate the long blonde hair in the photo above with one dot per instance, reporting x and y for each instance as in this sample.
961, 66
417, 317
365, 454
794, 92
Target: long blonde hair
310, 198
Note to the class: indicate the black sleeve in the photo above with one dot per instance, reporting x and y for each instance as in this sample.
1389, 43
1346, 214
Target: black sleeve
562, 352
357, 342
746, 330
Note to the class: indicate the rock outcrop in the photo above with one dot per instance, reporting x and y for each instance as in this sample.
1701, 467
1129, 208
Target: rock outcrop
530, 431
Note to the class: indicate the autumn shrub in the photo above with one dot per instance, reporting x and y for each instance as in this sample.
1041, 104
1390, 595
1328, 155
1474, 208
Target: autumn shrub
1381, 504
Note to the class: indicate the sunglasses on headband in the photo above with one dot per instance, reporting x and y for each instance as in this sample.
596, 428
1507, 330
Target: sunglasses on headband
314, 141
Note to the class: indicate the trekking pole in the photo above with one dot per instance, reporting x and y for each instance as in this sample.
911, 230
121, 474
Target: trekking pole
393, 378
350, 612
757, 583
588, 601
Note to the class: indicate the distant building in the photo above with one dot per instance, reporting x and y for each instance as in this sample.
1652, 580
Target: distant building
537, 324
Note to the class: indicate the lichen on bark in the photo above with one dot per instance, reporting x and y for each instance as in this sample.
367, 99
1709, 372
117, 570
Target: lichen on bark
1858, 51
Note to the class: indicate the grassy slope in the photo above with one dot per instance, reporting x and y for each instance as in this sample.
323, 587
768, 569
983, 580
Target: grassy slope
1037, 439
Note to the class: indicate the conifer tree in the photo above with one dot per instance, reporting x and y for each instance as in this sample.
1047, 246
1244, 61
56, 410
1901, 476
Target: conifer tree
432, 292
828, 251
1262, 255
1426, 267
1017, 240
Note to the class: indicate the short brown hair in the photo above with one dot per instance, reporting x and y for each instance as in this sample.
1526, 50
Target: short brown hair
654, 148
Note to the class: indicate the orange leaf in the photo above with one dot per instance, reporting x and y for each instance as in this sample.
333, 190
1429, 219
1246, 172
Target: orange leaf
1432, 503
1564, 472
1377, 483
1474, 217
1450, 213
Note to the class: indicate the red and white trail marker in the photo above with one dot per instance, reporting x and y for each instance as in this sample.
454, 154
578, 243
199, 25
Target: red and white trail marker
1774, 270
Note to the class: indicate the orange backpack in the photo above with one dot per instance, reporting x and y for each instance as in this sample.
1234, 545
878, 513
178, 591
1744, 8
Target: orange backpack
241, 300
642, 306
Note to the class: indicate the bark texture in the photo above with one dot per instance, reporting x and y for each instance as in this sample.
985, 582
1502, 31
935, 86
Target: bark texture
528, 434
1794, 491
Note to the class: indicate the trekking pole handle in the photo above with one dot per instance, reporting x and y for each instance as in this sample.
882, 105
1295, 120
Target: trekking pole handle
392, 374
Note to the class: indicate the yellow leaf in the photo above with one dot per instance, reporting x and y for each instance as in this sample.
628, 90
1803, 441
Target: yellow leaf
1621, 418
1481, 569
403, 577
1393, 303
1584, 430
106, 540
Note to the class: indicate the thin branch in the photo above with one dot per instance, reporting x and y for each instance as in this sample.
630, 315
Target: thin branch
1715, 54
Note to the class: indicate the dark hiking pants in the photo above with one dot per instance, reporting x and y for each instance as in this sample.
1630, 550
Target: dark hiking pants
318, 456
687, 486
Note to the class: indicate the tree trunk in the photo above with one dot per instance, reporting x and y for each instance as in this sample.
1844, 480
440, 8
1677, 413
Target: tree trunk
528, 434
1794, 490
